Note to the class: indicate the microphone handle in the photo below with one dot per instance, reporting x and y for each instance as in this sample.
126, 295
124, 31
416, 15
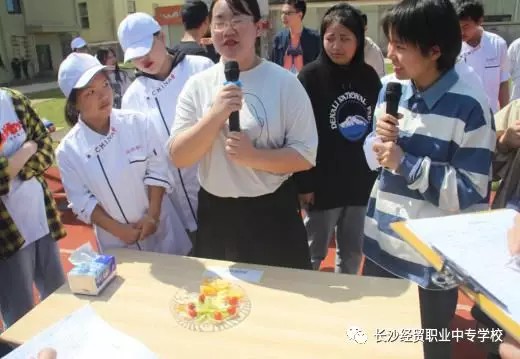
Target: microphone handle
234, 122
392, 106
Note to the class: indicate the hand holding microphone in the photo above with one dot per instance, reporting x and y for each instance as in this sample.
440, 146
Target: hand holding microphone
239, 147
232, 73
387, 152
228, 100
387, 126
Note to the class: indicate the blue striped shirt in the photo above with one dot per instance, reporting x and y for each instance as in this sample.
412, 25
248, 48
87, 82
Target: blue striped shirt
448, 140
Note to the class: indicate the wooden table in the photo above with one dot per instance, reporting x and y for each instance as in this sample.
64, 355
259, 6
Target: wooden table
294, 313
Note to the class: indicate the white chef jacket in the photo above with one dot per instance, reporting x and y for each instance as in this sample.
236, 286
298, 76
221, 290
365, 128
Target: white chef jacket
158, 99
114, 171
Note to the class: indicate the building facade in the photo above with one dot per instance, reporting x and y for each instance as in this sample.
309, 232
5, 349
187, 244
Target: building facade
35, 34
99, 19
501, 16
34, 37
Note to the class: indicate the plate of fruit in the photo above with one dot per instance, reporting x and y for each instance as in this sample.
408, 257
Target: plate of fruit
217, 305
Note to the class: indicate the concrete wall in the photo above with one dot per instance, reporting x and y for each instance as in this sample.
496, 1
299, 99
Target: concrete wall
101, 19
56, 13
10, 24
53, 40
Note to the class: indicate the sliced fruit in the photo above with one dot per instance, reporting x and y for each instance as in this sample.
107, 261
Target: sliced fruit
218, 316
220, 284
235, 292
208, 290
232, 310
233, 300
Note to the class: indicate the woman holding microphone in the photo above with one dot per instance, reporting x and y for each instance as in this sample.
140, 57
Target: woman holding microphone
113, 169
248, 206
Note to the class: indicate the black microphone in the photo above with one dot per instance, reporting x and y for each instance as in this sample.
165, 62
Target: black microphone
232, 72
392, 97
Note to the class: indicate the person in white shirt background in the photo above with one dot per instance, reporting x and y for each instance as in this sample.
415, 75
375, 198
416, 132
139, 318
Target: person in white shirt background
161, 77
485, 52
248, 204
113, 167
373, 54
78, 44
513, 52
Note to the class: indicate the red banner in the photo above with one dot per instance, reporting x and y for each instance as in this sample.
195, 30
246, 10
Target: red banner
168, 15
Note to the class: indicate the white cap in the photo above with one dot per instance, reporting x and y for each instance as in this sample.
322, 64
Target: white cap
76, 71
135, 34
77, 43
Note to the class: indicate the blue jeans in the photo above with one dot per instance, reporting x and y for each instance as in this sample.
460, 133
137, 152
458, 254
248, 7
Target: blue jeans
38, 263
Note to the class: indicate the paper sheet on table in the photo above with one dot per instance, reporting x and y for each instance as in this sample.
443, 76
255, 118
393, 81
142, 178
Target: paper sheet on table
244, 274
83, 335
477, 244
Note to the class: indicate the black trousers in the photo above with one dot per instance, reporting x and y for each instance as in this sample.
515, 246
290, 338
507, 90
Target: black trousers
437, 310
265, 230
5, 348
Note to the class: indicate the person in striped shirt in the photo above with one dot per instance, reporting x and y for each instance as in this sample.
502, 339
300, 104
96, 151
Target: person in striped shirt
435, 158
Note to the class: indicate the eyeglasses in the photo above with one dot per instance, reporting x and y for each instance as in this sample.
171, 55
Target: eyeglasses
235, 23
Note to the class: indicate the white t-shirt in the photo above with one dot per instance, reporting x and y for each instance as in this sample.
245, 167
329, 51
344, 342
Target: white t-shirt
374, 56
25, 201
468, 75
513, 53
276, 113
489, 60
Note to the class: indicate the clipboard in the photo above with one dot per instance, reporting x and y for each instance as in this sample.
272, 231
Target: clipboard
485, 301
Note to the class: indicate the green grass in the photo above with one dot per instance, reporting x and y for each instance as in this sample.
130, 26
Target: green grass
126, 65
54, 93
52, 110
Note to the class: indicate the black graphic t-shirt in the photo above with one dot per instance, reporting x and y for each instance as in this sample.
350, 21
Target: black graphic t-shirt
343, 99
351, 115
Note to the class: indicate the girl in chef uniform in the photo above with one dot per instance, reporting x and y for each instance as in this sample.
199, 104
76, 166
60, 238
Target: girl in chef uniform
114, 171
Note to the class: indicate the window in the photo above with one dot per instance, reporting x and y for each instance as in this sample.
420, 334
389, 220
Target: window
83, 15
13, 6
131, 6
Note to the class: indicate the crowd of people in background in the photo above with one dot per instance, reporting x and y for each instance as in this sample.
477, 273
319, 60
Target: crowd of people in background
151, 163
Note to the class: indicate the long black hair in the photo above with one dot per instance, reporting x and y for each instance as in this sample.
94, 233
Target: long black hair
352, 19
71, 113
102, 55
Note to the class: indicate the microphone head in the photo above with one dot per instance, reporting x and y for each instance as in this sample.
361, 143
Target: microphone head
231, 71
393, 90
